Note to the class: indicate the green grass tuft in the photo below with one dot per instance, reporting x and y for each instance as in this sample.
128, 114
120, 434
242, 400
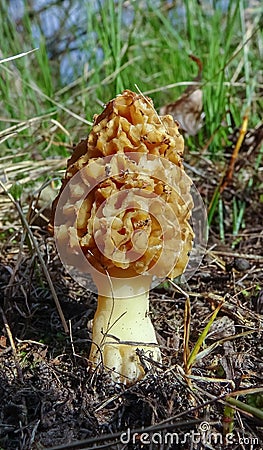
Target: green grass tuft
119, 44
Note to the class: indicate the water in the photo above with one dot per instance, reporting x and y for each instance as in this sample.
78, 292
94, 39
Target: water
64, 23
64, 26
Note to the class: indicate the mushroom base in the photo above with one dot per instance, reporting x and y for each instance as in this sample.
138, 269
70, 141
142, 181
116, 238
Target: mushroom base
122, 329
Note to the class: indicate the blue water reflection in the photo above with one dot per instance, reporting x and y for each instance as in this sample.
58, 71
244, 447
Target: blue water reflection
67, 27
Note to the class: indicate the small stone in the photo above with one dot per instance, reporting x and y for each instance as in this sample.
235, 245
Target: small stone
241, 265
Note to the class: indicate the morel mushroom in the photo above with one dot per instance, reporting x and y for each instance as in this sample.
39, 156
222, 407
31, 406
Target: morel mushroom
123, 216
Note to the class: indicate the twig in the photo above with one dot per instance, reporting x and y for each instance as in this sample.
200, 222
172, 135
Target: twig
229, 173
71, 339
187, 322
237, 255
21, 55
42, 262
12, 343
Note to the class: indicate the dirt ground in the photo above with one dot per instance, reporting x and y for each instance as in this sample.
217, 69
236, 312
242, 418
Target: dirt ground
52, 398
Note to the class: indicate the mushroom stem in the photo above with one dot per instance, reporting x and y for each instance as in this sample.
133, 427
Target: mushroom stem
121, 326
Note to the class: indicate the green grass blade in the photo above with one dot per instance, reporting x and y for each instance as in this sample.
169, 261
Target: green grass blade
256, 412
201, 339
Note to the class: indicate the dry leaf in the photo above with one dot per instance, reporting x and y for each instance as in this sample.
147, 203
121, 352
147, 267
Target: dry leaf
3, 341
188, 109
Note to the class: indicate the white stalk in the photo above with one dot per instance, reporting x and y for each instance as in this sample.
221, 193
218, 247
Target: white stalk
121, 326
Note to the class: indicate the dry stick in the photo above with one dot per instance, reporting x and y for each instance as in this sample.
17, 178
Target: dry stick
11, 58
12, 343
229, 173
237, 255
42, 262
11, 282
187, 323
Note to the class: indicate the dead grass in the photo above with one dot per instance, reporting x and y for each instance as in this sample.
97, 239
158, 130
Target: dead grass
50, 396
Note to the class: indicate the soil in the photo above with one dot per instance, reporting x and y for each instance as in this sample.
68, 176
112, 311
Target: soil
51, 397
